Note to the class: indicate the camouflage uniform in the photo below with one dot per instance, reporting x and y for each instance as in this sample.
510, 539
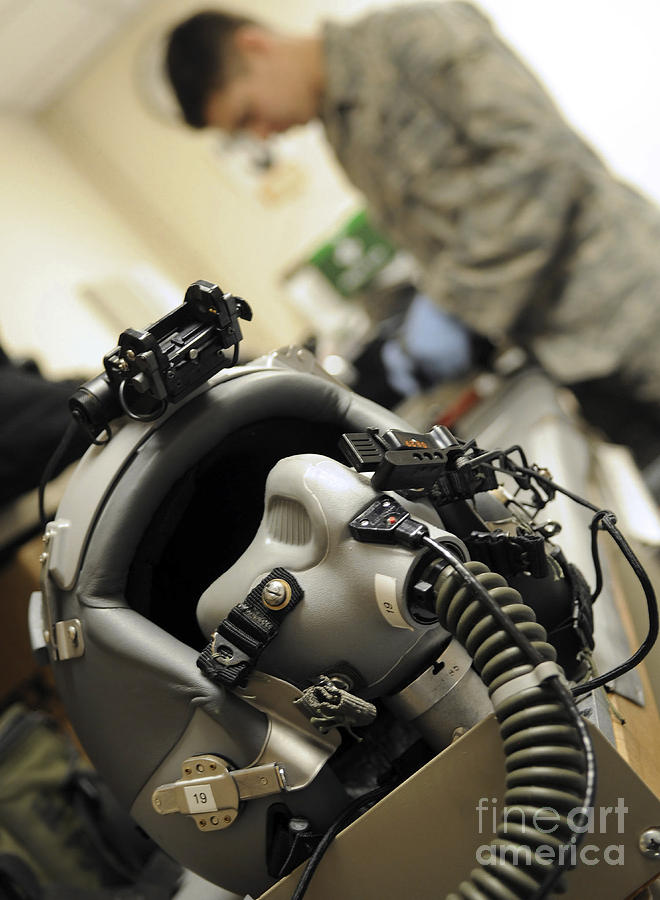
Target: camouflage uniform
519, 228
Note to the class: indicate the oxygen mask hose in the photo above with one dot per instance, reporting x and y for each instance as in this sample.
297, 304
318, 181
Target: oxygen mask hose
548, 753
550, 763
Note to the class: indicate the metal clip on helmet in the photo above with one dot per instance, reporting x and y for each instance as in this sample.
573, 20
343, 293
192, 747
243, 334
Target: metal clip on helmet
176, 536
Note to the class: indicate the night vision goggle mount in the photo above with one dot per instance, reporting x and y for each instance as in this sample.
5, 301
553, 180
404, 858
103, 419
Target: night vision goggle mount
150, 369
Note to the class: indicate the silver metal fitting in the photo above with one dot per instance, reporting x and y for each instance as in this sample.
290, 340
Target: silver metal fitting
69, 641
211, 793
276, 594
649, 843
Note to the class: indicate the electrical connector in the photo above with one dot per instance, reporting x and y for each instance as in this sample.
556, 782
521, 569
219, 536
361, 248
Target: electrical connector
385, 521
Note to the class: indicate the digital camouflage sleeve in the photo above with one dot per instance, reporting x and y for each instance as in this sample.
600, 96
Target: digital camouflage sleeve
465, 161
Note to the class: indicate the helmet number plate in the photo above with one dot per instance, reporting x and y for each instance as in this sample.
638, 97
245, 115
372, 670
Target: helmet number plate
200, 798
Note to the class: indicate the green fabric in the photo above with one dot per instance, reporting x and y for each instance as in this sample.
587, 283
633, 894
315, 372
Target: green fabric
37, 821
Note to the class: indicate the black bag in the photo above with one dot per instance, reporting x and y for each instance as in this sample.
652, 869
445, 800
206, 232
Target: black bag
34, 413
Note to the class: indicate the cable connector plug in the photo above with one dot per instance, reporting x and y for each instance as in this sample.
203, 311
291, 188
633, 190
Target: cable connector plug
385, 521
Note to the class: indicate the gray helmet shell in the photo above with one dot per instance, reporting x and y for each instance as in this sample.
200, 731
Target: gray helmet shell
136, 697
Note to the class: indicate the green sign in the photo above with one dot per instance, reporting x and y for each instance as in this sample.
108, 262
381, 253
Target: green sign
354, 256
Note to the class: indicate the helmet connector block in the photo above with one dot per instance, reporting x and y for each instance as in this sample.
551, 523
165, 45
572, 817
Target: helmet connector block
436, 462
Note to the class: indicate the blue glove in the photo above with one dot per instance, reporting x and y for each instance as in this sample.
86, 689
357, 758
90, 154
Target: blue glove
437, 342
429, 341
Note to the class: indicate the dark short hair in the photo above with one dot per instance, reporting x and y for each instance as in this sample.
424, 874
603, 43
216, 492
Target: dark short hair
200, 58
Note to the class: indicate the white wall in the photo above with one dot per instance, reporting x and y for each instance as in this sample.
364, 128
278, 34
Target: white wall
58, 235
600, 61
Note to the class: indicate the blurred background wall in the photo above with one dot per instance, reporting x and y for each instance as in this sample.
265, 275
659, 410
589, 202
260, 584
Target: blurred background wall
109, 210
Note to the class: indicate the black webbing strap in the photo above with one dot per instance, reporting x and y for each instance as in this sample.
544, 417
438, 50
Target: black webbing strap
239, 640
